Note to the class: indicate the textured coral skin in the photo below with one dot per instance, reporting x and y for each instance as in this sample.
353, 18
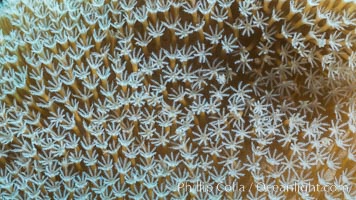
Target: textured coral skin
166, 99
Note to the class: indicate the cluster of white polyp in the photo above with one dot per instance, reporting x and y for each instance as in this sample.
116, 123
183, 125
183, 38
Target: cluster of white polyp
167, 99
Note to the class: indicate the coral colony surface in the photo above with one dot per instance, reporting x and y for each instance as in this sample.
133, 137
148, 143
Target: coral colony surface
167, 99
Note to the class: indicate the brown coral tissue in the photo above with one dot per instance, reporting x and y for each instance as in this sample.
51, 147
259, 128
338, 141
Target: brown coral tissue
178, 99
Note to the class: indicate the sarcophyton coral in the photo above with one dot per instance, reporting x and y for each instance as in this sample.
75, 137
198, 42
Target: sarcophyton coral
166, 99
